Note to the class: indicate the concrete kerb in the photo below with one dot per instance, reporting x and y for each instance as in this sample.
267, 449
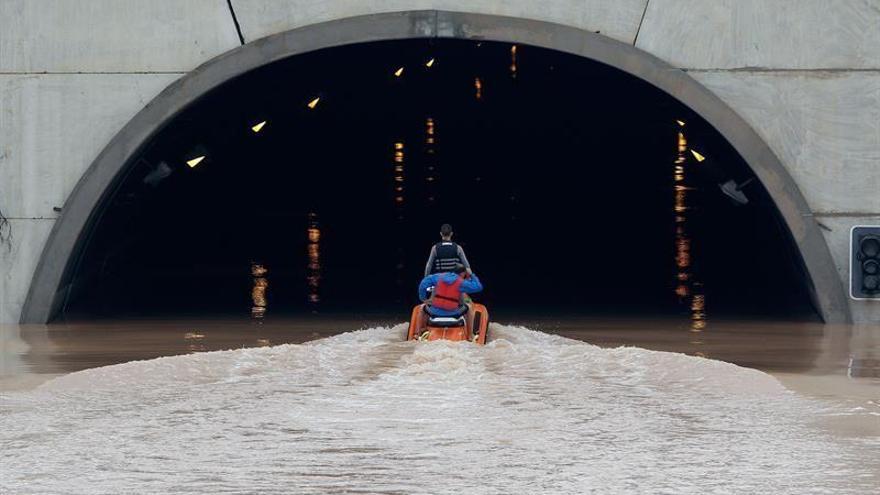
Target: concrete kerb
60, 255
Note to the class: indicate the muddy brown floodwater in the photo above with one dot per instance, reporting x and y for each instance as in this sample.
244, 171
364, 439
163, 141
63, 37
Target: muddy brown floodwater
791, 351
601, 414
833, 362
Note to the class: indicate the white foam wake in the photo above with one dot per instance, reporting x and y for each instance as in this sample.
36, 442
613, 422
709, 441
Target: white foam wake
364, 411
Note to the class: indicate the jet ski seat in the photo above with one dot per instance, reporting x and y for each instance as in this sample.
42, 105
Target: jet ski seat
447, 321
454, 320
461, 311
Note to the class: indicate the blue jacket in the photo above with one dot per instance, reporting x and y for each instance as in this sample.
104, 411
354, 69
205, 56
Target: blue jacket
468, 286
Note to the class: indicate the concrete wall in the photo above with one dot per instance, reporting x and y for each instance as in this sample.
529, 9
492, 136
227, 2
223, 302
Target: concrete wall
618, 19
71, 74
804, 73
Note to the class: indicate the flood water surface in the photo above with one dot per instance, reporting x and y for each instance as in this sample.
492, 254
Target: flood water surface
365, 412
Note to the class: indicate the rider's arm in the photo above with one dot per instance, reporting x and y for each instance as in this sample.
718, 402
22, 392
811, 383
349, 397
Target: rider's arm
429, 281
471, 284
463, 258
430, 263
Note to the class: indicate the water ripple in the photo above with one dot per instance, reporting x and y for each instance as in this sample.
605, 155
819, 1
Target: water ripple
364, 412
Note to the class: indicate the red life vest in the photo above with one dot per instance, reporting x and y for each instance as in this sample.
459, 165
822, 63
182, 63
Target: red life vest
447, 296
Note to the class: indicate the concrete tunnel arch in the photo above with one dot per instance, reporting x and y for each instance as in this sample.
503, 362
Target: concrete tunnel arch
52, 278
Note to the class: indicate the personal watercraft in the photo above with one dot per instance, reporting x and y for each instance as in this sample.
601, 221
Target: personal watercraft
470, 323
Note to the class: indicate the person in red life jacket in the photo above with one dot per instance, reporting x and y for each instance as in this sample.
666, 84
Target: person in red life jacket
450, 288
446, 254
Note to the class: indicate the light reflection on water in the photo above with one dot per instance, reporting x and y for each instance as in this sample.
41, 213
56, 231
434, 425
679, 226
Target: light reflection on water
688, 288
399, 200
313, 249
195, 341
399, 178
430, 160
259, 274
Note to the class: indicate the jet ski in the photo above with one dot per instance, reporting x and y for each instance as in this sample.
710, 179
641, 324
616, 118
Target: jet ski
471, 323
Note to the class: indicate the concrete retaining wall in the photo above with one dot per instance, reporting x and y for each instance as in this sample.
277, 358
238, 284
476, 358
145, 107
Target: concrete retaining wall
804, 73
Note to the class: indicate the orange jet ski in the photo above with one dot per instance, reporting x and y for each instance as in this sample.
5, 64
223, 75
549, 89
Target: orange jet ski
471, 324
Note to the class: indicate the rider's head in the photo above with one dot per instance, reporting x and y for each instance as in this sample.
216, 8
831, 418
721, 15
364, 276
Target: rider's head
446, 231
458, 269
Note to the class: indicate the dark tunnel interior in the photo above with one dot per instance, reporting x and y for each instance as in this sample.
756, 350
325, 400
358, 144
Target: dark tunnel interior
318, 184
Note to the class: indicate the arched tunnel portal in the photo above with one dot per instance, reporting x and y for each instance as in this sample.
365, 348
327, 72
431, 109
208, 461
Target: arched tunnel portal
570, 163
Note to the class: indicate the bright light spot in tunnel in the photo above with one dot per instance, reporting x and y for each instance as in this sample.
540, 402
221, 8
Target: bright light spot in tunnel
312, 104
192, 162
680, 123
513, 60
259, 127
258, 290
698, 314
698, 156
429, 63
313, 276
398, 72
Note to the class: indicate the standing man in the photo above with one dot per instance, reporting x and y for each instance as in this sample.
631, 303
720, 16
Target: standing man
446, 254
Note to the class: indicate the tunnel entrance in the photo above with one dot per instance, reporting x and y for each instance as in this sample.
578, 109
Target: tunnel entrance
318, 184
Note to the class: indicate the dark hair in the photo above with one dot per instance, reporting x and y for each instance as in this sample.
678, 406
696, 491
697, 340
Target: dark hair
445, 229
459, 268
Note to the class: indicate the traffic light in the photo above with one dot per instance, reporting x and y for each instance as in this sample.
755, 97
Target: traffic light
864, 273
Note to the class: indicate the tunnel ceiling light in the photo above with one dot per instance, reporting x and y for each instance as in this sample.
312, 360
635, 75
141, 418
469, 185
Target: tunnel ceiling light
698, 156
398, 72
192, 162
312, 104
259, 127
513, 60
680, 123
429, 63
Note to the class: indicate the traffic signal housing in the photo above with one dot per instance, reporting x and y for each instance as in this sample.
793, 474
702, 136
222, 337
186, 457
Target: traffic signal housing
864, 272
